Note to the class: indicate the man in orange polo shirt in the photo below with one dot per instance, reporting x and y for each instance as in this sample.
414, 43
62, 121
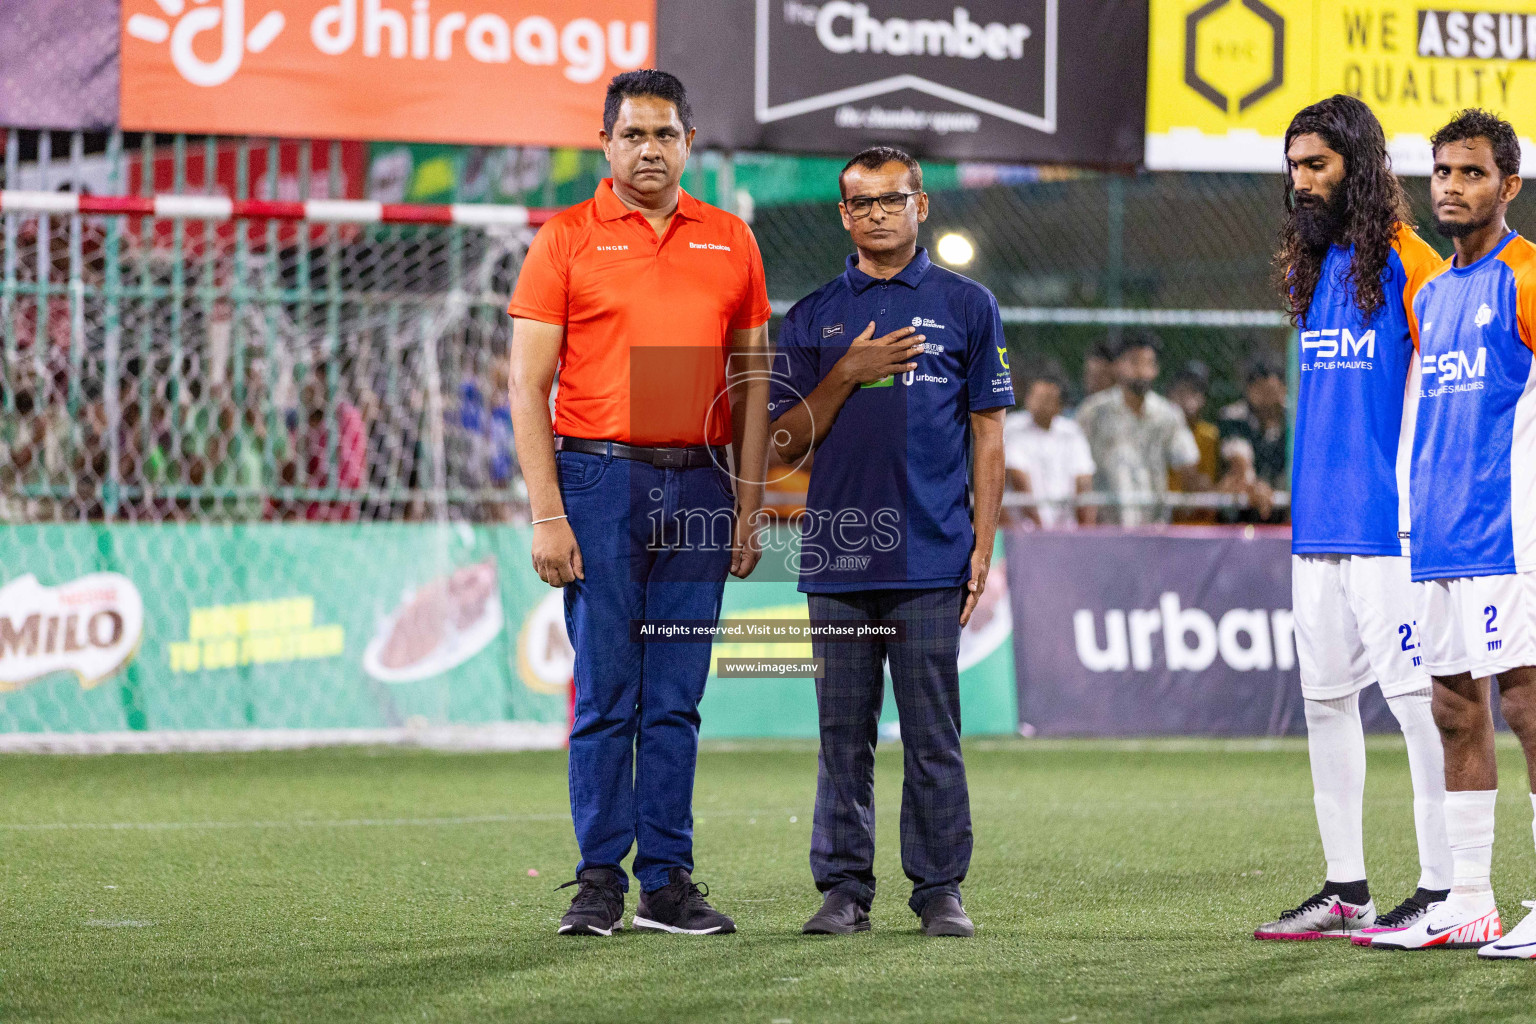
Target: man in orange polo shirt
643, 298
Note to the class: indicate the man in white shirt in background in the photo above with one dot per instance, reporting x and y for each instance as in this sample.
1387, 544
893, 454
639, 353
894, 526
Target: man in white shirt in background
1047, 457
1137, 436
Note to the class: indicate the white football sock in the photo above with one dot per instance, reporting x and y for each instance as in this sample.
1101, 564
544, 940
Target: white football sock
1336, 744
1469, 827
1426, 766
1533, 810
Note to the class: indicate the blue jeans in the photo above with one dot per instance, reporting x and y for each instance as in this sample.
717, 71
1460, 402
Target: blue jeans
655, 544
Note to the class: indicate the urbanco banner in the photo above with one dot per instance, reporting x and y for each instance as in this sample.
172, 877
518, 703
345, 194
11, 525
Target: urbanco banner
1180, 632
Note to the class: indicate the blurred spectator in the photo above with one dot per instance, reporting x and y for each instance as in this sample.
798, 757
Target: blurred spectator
1189, 392
503, 455
1098, 369
1048, 458
327, 467
1253, 444
1137, 436
1259, 417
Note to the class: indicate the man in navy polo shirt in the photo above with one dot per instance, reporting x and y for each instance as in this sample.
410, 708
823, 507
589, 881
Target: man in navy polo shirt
896, 375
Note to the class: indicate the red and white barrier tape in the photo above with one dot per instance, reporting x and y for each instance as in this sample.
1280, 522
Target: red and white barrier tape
317, 211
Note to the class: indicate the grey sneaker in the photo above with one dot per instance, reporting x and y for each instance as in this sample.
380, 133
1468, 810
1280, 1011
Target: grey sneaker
1320, 917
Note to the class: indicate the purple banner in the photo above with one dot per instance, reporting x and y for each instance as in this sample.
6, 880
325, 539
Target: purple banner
1161, 633
58, 64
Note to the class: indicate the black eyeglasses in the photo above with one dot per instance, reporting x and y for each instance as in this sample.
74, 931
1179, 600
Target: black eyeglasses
891, 202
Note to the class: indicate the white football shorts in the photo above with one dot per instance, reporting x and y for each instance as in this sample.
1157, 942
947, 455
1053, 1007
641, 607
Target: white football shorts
1355, 625
1479, 624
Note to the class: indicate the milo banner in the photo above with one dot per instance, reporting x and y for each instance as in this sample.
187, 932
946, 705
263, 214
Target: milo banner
1197, 639
299, 627
1226, 76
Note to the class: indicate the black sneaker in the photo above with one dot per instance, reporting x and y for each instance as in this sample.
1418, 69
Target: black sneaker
598, 908
679, 907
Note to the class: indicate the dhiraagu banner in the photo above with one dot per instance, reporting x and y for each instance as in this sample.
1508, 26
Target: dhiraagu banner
1226, 76
114, 628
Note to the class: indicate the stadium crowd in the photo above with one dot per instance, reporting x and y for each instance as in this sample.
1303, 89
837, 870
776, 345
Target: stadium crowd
1111, 451
1118, 455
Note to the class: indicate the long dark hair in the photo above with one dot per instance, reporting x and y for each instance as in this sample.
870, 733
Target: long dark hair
1373, 200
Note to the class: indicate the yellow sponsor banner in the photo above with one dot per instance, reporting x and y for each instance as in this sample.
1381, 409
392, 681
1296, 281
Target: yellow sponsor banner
1226, 76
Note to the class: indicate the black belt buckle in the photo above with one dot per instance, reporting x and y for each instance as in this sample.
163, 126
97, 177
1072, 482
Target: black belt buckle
669, 458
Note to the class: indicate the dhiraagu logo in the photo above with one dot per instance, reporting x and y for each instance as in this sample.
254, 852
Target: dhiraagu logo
227, 17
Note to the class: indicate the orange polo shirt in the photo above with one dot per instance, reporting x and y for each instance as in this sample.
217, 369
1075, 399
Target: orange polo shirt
647, 320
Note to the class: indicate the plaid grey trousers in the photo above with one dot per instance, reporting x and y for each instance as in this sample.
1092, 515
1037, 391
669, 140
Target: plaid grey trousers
935, 804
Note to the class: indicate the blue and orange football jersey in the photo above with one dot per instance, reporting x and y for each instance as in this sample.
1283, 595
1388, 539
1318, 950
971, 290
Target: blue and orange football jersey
1355, 408
1474, 450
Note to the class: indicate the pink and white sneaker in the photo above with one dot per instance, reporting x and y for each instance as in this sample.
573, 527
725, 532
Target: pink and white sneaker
1457, 923
1321, 917
1404, 915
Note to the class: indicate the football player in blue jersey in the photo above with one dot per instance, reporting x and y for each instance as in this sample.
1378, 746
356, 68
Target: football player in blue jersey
1348, 267
1474, 512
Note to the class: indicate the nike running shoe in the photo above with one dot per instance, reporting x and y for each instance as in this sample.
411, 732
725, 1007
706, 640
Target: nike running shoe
1401, 916
1323, 916
1519, 944
1453, 924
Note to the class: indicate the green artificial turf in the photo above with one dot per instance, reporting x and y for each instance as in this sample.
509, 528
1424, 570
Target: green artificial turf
1111, 882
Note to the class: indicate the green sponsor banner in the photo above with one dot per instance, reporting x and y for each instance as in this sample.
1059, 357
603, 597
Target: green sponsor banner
106, 628
787, 707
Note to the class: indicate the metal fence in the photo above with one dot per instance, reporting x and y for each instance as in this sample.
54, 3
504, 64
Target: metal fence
178, 369
172, 369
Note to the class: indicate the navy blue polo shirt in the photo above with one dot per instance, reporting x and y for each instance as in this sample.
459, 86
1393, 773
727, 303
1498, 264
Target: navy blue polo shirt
889, 499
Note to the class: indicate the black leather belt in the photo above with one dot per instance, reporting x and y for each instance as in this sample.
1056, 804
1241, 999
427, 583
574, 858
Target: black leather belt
670, 458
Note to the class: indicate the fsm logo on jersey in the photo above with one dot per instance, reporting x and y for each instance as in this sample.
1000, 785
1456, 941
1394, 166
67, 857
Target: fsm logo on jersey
1451, 372
1337, 349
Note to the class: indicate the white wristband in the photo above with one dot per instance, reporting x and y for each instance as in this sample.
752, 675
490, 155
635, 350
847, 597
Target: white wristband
551, 519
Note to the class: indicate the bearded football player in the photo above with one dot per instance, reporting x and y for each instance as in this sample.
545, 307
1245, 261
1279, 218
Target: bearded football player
1349, 266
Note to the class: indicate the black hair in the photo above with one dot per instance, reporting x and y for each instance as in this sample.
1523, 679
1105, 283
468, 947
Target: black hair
1139, 339
1373, 201
1104, 350
1474, 123
1261, 368
876, 157
1194, 374
646, 82
1052, 377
